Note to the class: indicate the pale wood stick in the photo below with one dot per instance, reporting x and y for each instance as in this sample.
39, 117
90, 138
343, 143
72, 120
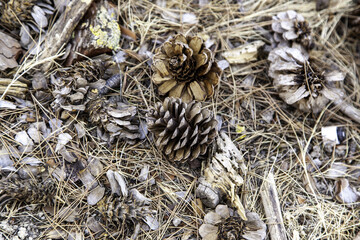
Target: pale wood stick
272, 208
61, 32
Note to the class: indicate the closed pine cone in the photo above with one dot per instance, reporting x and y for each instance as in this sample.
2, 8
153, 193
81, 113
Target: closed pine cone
291, 26
29, 191
300, 81
182, 131
116, 117
185, 68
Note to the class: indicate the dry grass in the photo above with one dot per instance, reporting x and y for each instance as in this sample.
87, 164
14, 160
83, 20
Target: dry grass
282, 146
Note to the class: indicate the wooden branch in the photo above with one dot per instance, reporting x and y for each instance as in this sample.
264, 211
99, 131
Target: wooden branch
61, 32
272, 208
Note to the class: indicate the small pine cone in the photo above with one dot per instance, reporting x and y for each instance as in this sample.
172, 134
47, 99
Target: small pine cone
29, 191
222, 224
291, 26
300, 82
115, 211
185, 68
231, 229
117, 118
182, 131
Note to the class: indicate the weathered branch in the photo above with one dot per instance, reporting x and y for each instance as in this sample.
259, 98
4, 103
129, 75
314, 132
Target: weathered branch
272, 208
60, 33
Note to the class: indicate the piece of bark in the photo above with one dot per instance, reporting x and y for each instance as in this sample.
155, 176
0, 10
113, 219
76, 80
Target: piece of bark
61, 32
9, 51
98, 32
272, 208
16, 88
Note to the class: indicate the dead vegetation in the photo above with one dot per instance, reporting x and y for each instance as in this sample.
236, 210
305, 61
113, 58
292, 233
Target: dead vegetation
69, 127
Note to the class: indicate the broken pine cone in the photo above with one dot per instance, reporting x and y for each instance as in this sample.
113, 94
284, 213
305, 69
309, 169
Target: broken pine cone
301, 82
185, 68
119, 119
71, 85
223, 224
291, 26
182, 131
31, 191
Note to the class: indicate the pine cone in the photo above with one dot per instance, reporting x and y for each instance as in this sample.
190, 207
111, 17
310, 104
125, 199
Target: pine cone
223, 224
71, 85
291, 26
300, 82
231, 229
182, 131
117, 118
185, 68
29, 191
116, 211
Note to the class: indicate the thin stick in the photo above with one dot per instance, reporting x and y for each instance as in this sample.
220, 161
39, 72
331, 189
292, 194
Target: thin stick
272, 208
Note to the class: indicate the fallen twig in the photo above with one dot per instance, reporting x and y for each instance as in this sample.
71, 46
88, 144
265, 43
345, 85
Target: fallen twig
272, 208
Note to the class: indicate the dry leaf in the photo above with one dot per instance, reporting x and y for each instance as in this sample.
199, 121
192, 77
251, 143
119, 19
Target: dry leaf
95, 195
117, 183
9, 51
63, 139
7, 105
243, 54
87, 179
345, 193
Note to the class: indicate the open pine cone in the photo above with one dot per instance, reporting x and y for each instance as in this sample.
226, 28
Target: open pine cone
182, 131
300, 82
223, 224
185, 68
291, 26
116, 117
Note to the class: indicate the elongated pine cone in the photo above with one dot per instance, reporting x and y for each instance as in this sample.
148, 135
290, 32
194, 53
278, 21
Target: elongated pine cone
291, 26
29, 191
301, 82
116, 117
185, 68
182, 131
